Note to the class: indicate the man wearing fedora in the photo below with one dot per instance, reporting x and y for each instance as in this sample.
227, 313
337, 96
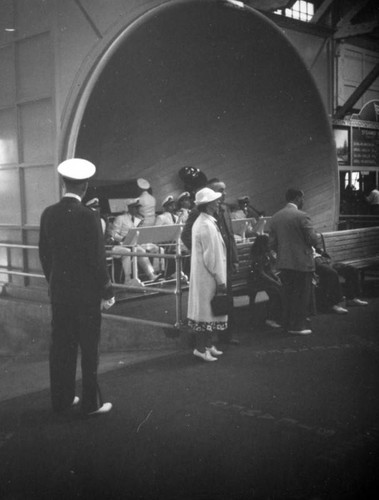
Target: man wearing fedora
72, 254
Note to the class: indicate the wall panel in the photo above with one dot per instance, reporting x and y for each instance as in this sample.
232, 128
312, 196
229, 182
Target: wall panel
10, 196
34, 68
7, 80
8, 137
33, 16
37, 132
6, 20
354, 64
39, 191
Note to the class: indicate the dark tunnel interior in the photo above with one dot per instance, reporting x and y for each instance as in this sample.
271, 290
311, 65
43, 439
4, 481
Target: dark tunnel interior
217, 87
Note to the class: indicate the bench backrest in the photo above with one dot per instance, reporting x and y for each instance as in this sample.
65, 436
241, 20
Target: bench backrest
352, 243
240, 226
244, 261
153, 234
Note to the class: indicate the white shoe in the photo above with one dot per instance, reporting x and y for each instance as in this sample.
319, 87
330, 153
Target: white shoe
75, 401
305, 331
357, 302
272, 323
206, 356
214, 351
106, 408
133, 282
339, 310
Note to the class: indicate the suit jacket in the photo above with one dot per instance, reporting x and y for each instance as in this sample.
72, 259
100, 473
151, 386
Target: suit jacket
292, 237
224, 222
72, 254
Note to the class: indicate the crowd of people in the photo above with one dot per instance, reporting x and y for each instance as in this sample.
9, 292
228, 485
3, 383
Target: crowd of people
286, 262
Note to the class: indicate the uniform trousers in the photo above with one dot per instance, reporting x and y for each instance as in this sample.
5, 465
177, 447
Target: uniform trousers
74, 326
297, 298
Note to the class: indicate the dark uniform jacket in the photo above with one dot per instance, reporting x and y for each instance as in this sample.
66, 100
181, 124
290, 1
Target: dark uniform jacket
72, 254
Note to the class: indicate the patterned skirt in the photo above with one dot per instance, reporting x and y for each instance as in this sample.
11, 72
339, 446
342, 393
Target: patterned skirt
207, 326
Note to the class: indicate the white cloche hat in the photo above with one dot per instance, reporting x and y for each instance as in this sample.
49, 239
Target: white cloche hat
206, 195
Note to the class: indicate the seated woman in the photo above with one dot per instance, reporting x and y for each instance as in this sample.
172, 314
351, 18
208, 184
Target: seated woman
263, 277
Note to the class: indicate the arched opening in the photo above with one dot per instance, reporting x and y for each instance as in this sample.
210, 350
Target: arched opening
218, 87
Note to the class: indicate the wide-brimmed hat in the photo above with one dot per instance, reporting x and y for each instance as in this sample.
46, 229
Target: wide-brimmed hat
143, 183
169, 199
76, 169
206, 195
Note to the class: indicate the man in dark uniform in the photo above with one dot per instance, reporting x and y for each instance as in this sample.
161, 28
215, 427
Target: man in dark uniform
224, 223
72, 254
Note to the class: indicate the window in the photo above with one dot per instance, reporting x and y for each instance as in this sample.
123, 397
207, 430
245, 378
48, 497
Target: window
301, 10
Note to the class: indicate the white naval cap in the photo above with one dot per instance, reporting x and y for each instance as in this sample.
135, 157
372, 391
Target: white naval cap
76, 169
143, 183
129, 202
185, 194
167, 200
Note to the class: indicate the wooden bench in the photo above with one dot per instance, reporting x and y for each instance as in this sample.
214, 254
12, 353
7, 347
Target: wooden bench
240, 280
358, 248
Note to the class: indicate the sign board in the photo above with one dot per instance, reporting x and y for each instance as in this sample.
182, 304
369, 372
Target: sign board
365, 147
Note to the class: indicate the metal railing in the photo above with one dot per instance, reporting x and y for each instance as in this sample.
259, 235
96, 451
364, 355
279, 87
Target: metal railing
177, 291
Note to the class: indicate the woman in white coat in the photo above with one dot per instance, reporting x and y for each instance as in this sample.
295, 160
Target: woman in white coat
208, 275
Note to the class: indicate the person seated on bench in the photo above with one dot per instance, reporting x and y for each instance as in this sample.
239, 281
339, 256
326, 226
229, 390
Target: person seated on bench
244, 231
131, 218
329, 292
183, 207
168, 217
263, 277
373, 201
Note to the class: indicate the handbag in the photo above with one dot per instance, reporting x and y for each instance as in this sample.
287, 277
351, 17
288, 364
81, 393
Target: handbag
220, 304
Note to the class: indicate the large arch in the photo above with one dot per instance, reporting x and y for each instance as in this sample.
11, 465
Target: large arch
215, 86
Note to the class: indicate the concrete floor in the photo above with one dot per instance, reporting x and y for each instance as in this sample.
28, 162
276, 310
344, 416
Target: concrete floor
278, 417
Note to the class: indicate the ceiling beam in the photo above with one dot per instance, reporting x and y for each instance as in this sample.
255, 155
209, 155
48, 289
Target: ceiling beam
348, 16
358, 92
267, 5
321, 11
350, 30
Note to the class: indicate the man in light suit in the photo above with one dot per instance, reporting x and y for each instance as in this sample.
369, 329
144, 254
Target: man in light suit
72, 254
292, 237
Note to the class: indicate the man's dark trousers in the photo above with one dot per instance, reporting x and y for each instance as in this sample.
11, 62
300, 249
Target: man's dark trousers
297, 298
74, 325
